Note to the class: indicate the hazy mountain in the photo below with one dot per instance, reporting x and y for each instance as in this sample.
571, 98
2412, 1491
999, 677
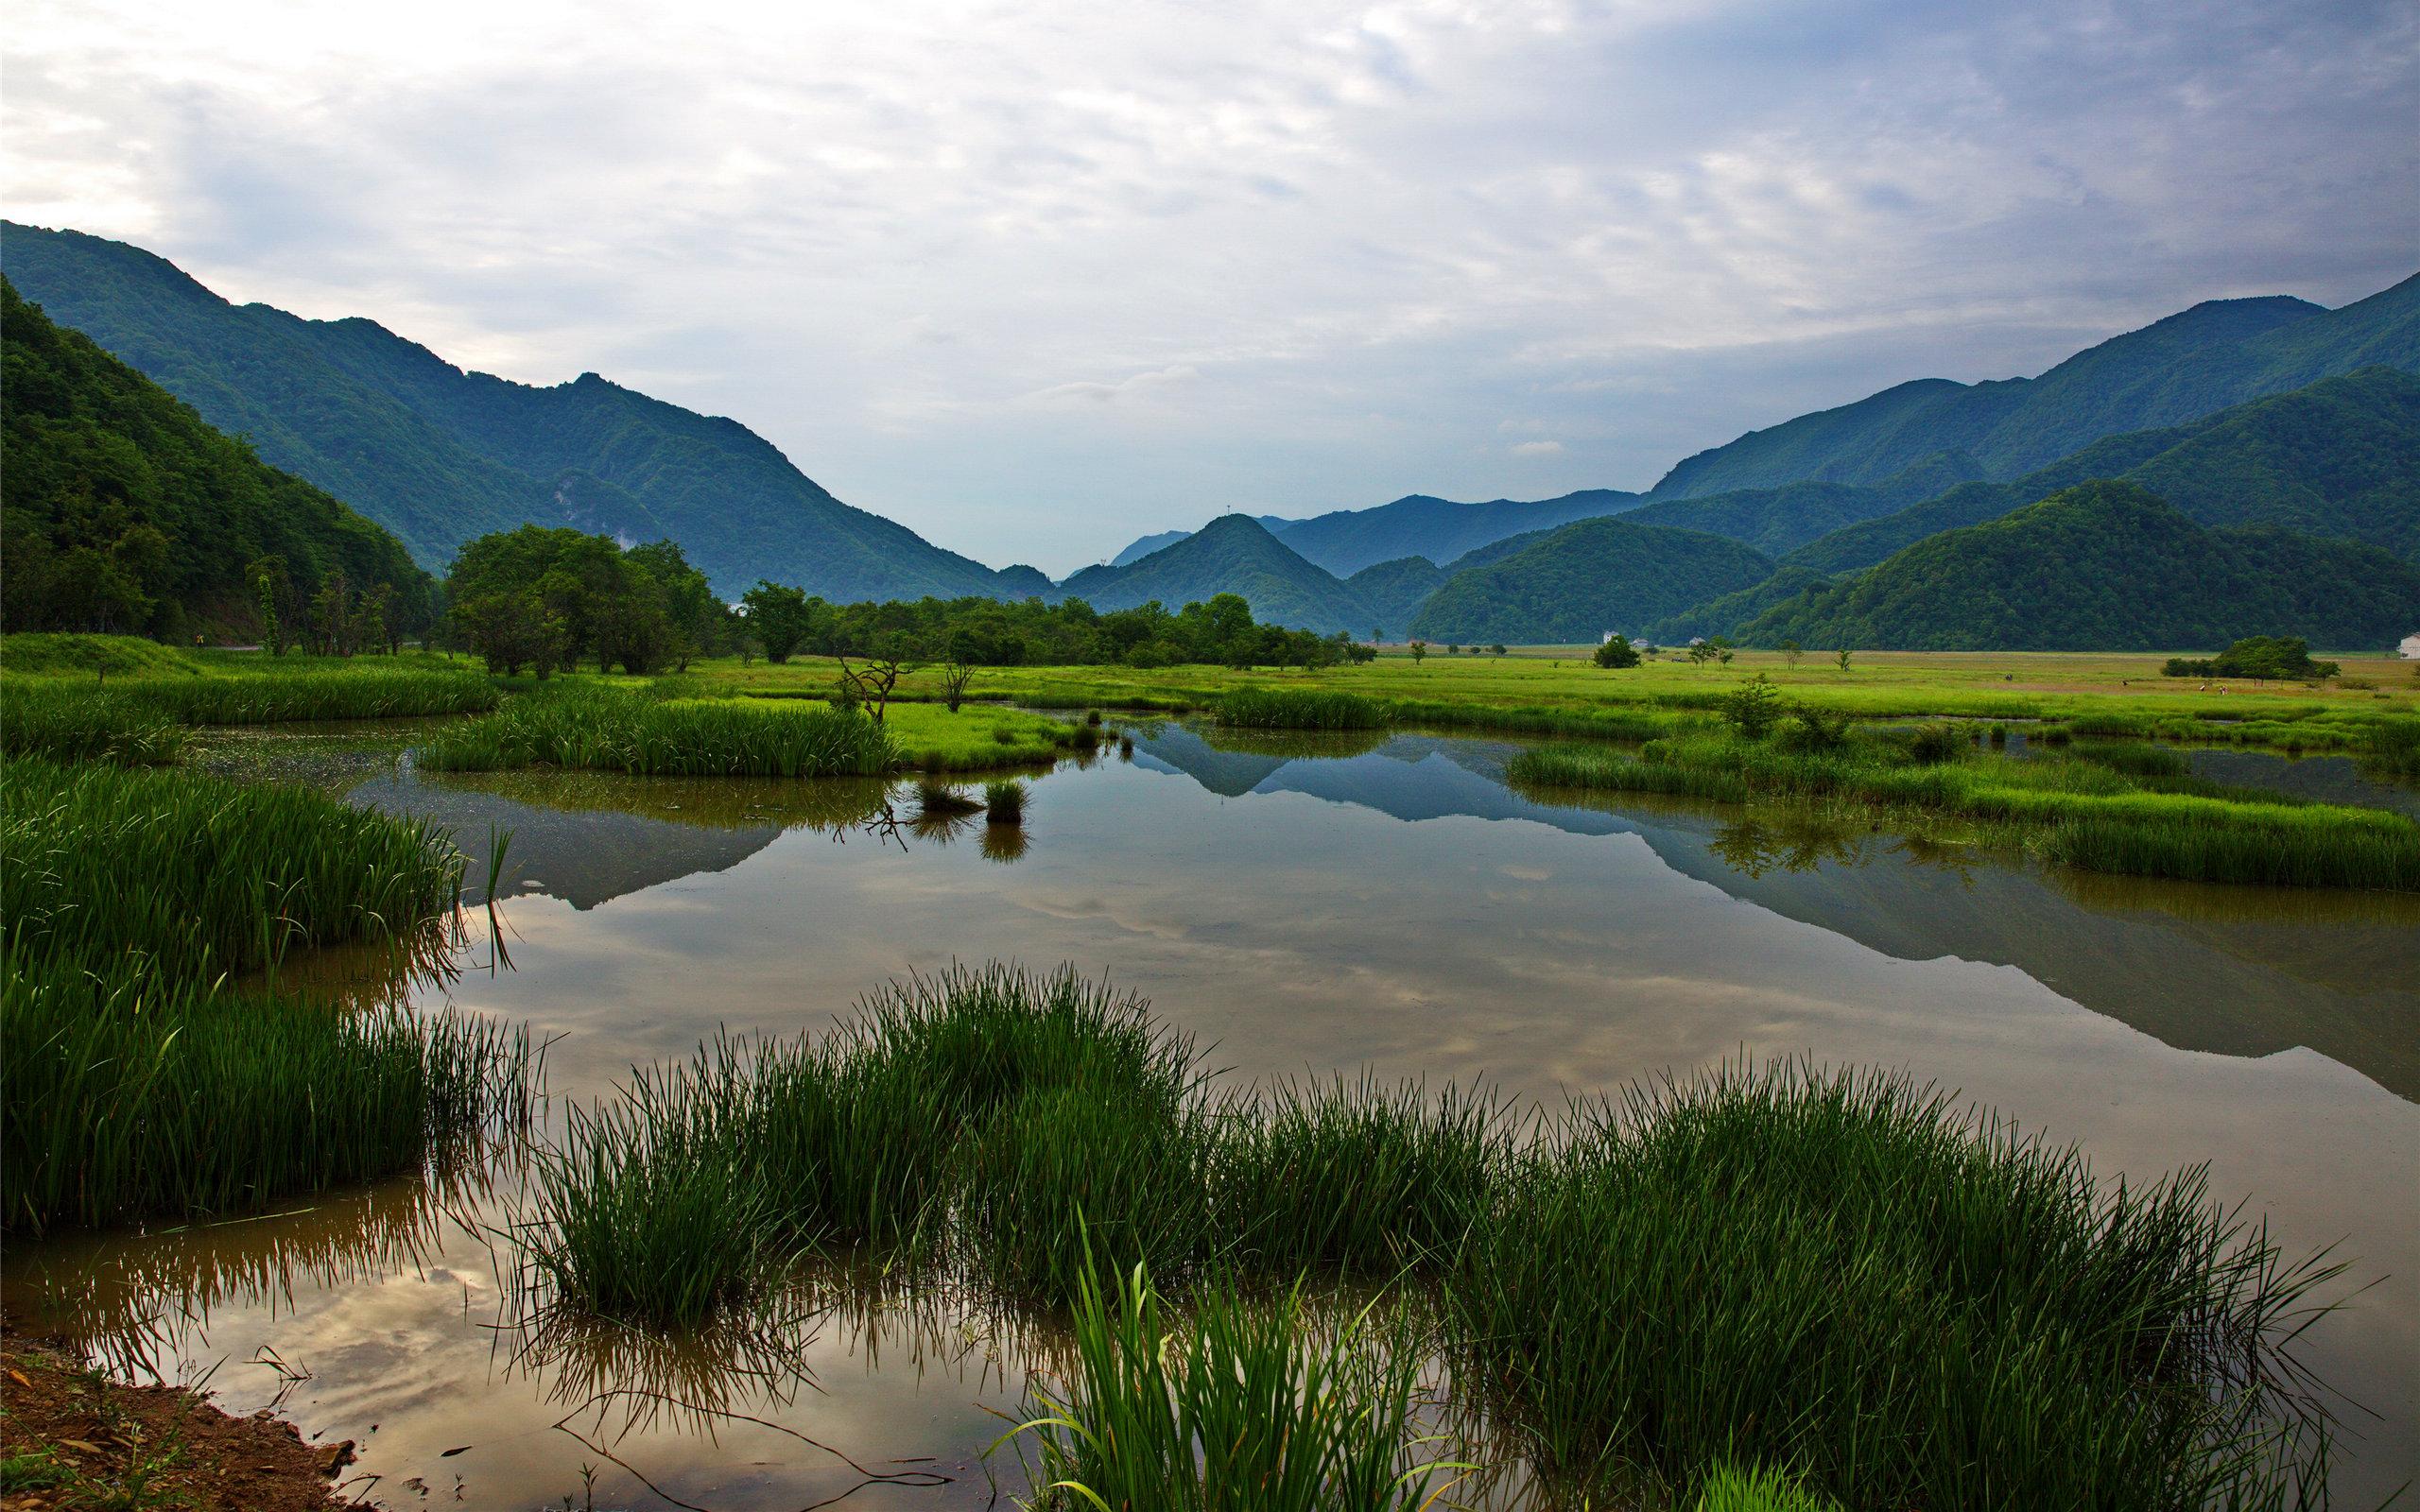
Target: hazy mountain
1397, 590
1146, 545
1233, 554
1346, 540
2107, 565
121, 509
439, 456
2337, 458
2206, 358
1587, 579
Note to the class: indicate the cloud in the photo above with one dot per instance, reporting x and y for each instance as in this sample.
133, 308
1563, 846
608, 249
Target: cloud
1140, 385
958, 260
1538, 449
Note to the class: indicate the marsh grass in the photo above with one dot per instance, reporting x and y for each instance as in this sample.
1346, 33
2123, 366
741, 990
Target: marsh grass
2069, 808
140, 1081
67, 723
1263, 707
1912, 1307
936, 797
1836, 1271
1004, 801
615, 731
1242, 1406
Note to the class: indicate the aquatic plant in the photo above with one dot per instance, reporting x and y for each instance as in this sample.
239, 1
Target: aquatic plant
936, 797
1240, 1406
1004, 800
1910, 1306
1263, 707
609, 729
76, 722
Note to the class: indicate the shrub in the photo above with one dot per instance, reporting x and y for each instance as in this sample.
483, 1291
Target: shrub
1753, 707
1617, 652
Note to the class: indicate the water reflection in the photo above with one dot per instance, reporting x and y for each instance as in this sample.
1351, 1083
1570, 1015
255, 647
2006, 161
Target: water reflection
1304, 903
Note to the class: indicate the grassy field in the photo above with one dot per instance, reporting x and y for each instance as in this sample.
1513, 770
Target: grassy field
1877, 685
1903, 1301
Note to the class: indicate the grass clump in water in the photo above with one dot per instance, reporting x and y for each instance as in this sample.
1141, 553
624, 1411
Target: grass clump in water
1263, 707
1243, 1406
1834, 1271
935, 798
1004, 801
142, 1083
611, 730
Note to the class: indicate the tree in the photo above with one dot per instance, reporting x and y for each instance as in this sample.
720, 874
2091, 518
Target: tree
1754, 705
777, 616
1419, 651
264, 574
511, 631
954, 676
1617, 652
1844, 658
694, 620
1792, 651
869, 684
1700, 651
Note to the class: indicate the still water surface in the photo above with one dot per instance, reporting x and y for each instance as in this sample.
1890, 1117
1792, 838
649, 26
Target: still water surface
1302, 904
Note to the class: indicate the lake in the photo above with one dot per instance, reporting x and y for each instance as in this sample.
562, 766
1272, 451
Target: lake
1303, 904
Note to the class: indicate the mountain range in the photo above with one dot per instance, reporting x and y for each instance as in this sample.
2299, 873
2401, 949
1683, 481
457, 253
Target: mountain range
2268, 412
439, 456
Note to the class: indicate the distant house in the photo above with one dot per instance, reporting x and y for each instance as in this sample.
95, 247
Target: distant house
2412, 648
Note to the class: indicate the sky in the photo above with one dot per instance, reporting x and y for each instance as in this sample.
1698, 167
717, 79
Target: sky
1037, 278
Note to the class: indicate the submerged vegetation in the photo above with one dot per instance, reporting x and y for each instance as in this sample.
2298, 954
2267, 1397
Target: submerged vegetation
1905, 1303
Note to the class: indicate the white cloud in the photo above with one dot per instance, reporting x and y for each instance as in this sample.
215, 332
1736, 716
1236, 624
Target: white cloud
1538, 449
1020, 275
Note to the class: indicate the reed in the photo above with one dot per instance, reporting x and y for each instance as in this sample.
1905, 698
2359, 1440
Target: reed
1912, 1307
936, 797
1243, 1406
1830, 1270
609, 730
1004, 801
129, 1097
1264, 708
194, 876
354, 690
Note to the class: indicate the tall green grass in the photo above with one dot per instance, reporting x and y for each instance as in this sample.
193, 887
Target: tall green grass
1268, 708
77, 723
141, 1081
2073, 809
613, 731
1834, 1271
1242, 1406
1263, 707
131, 1096
195, 876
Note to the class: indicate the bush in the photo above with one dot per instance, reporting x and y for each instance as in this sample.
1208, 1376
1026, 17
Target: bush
1753, 707
1617, 652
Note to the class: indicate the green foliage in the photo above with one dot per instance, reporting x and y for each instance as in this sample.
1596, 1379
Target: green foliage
1726, 614
780, 619
1617, 652
1763, 1490
2258, 657
1004, 801
1394, 591
121, 510
545, 599
1754, 707
1585, 579
67, 722
2105, 566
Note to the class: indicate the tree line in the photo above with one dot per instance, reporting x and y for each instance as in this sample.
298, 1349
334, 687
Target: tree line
545, 600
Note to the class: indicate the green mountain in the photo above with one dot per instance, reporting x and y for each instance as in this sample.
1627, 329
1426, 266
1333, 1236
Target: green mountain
2106, 566
1397, 590
1233, 554
1724, 615
1778, 520
441, 455
2206, 358
1587, 578
121, 509
1143, 546
2337, 458
1346, 540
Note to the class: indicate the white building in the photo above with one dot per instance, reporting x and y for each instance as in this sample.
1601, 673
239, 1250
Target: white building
2412, 648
